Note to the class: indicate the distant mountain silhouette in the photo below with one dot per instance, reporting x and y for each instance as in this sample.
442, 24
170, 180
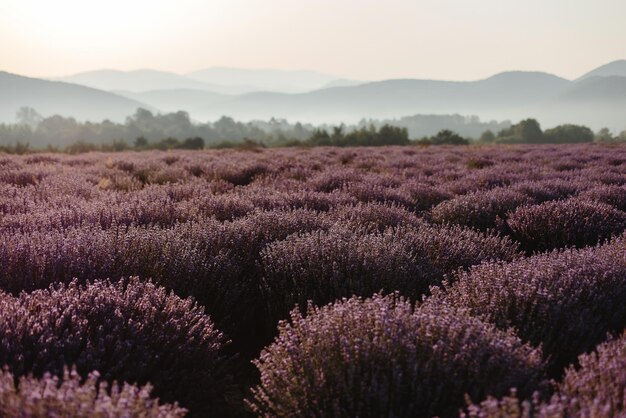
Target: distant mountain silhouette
390, 98
597, 100
264, 79
53, 97
615, 68
342, 82
216, 79
598, 89
147, 80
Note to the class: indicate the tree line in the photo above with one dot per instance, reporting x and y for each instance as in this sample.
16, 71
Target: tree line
145, 130
528, 131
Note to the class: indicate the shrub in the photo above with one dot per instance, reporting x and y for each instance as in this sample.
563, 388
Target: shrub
239, 174
597, 389
171, 257
379, 357
610, 194
372, 192
600, 382
479, 209
571, 222
566, 301
512, 407
567, 134
214, 262
450, 248
423, 196
130, 331
546, 190
70, 397
374, 217
447, 137
242, 242
331, 180
325, 266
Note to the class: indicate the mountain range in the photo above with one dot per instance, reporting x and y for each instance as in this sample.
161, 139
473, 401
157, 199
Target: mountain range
53, 97
596, 99
215, 79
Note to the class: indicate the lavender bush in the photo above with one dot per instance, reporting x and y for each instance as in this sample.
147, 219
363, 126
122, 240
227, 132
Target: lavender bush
571, 222
600, 382
610, 194
566, 301
129, 331
479, 210
596, 389
72, 397
380, 357
374, 217
326, 266
448, 249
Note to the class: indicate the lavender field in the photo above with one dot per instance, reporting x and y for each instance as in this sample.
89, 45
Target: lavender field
483, 281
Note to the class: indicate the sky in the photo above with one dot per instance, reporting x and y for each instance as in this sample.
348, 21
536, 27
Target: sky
356, 39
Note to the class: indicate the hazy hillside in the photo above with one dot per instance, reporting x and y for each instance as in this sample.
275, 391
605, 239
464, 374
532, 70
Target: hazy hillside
53, 97
598, 89
264, 79
617, 68
179, 99
147, 80
595, 100
342, 82
494, 97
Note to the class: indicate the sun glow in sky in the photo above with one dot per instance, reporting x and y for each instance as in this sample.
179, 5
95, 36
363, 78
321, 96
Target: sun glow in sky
360, 39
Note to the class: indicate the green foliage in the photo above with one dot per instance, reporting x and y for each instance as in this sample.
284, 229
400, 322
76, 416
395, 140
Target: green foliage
80, 147
487, 137
604, 135
192, 143
18, 148
246, 144
141, 142
528, 131
370, 136
447, 137
568, 134
116, 146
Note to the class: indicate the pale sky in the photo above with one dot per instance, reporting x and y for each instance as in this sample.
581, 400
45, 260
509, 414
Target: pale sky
359, 39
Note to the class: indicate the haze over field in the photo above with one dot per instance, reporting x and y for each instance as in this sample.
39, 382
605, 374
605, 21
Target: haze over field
316, 62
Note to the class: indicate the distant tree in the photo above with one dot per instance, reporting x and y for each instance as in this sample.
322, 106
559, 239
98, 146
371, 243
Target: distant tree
29, 117
531, 131
392, 135
487, 136
604, 135
319, 137
448, 137
338, 136
622, 136
117, 145
568, 134
140, 142
527, 131
192, 143
167, 143
59, 130
80, 147
142, 117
